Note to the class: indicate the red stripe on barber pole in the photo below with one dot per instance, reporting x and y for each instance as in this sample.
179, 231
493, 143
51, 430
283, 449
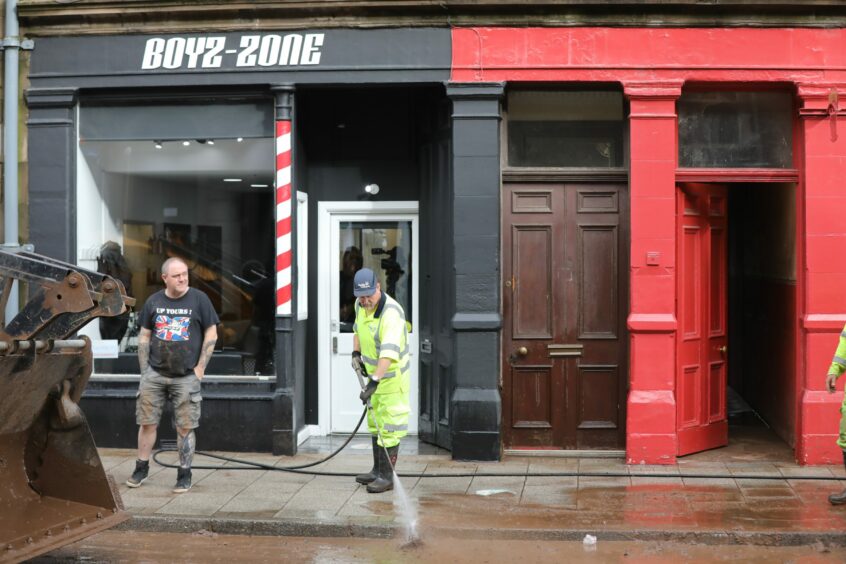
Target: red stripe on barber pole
283, 218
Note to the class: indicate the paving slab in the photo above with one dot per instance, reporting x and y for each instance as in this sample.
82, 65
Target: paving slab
638, 502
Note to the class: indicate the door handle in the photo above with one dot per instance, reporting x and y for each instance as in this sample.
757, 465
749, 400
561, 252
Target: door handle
723, 349
334, 345
520, 352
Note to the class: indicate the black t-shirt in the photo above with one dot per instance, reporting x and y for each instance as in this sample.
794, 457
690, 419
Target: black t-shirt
178, 326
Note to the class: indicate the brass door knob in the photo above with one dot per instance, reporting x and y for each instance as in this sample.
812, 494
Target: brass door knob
723, 349
522, 351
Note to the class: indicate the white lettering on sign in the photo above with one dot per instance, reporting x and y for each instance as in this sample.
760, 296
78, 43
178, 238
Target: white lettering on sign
292, 49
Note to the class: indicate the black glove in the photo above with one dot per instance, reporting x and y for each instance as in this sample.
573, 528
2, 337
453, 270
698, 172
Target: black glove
365, 394
356, 361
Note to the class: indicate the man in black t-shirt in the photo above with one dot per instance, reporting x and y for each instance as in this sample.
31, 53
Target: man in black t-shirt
177, 338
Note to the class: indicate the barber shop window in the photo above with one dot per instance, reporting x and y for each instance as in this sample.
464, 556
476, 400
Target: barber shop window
582, 129
735, 130
189, 180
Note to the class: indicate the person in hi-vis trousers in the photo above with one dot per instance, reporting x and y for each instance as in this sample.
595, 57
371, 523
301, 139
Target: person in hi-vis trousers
381, 345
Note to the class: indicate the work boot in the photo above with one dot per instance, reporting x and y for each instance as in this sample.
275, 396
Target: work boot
839, 499
387, 462
183, 480
142, 468
374, 472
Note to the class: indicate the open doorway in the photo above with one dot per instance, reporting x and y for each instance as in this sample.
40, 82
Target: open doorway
762, 312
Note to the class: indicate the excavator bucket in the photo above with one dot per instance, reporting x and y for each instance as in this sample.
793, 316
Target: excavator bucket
53, 488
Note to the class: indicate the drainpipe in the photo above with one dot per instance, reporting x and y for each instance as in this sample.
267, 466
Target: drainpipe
11, 48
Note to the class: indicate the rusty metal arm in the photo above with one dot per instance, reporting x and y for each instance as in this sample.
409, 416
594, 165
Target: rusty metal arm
65, 296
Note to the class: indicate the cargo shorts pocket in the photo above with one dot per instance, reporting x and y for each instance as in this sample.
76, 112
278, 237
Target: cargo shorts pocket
147, 410
193, 410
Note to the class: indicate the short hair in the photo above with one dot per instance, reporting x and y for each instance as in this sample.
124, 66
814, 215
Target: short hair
166, 264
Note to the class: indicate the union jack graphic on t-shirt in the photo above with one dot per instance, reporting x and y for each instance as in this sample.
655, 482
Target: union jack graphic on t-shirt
173, 328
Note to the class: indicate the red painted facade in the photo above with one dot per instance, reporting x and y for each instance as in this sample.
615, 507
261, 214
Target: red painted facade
653, 66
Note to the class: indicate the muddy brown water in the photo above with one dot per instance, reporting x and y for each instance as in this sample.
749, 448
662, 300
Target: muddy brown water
202, 547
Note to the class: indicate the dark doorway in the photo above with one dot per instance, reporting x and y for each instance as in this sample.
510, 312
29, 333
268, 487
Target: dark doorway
763, 302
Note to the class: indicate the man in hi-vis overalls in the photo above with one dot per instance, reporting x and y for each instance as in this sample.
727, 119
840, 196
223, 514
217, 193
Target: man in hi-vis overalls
837, 368
381, 344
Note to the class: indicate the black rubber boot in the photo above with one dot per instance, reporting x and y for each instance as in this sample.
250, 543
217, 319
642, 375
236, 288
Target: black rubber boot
374, 472
839, 499
387, 463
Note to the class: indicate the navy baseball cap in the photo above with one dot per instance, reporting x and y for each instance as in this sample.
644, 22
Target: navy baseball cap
364, 283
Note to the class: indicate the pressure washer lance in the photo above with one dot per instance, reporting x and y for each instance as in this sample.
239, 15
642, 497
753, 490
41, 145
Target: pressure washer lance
412, 539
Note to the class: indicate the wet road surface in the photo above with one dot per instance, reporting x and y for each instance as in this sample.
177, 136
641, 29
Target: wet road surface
130, 546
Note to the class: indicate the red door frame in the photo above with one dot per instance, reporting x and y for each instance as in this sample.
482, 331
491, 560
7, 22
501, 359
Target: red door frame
653, 64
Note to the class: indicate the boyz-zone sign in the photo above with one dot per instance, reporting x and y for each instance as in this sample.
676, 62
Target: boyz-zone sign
272, 50
387, 55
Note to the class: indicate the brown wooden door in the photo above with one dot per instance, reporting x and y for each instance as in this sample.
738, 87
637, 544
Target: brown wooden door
702, 317
565, 275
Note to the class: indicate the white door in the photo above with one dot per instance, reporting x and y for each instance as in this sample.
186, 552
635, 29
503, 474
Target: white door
381, 236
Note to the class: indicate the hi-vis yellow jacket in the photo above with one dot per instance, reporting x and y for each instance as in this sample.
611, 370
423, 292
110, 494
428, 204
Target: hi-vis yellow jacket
384, 334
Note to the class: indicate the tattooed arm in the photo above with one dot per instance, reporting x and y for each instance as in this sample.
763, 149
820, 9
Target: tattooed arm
209, 339
144, 349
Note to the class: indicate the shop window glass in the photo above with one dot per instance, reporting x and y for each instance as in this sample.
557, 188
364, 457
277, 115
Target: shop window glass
565, 129
735, 130
185, 194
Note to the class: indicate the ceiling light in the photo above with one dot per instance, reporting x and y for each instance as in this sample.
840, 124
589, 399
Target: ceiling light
239, 139
372, 189
259, 185
232, 180
157, 144
186, 143
210, 141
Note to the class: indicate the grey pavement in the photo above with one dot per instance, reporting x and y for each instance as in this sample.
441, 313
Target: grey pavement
702, 500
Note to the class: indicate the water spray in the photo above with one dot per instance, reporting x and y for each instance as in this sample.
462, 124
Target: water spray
401, 499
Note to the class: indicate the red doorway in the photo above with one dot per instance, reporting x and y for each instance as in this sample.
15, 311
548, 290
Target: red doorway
737, 310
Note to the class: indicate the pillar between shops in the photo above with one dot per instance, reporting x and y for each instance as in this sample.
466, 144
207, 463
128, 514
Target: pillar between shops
822, 158
51, 138
475, 405
284, 420
651, 407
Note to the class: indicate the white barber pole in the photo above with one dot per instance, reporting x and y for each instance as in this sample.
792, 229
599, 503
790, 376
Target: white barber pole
283, 218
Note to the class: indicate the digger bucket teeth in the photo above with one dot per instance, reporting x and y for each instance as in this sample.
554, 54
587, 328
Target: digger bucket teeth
53, 488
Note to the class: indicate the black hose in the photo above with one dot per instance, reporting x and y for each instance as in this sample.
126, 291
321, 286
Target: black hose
251, 465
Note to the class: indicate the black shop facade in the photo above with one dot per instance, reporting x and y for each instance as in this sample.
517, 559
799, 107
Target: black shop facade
170, 146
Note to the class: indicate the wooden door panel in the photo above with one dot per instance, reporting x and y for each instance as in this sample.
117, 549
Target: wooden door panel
531, 201
690, 295
599, 402
717, 392
532, 405
719, 297
599, 298
532, 281
689, 386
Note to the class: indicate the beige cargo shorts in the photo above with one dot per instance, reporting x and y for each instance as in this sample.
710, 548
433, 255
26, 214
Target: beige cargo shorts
184, 395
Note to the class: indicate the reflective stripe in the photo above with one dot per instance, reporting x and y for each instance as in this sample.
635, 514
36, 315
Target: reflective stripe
389, 427
390, 374
838, 360
355, 327
388, 347
368, 360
